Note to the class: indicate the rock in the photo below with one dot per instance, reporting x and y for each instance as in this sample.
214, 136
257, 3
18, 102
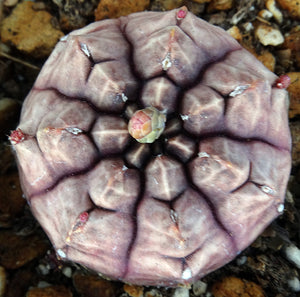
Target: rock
10, 3
235, 287
219, 5
9, 114
271, 6
292, 6
2, 281
67, 271
74, 14
199, 287
284, 58
11, 201
294, 284
268, 35
115, 9
201, 1
265, 14
294, 92
153, 293
17, 250
292, 253
30, 31
292, 42
20, 282
52, 291
134, 291
162, 5
94, 286
181, 292
295, 130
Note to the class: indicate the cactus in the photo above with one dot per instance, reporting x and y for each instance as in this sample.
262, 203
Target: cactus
153, 148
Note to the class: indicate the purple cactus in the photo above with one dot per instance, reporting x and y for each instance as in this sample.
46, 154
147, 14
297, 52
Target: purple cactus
208, 173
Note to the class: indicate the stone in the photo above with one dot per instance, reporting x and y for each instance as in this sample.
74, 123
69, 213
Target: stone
292, 42
30, 31
162, 5
51, 291
199, 288
11, 200
94, 286
219, 5
292, 6
20, 281
236, 287
267, 35
18, 250
181, 292
295, 130
115, 8
134, 291
74, 14
294, 92
272, 7
235, 32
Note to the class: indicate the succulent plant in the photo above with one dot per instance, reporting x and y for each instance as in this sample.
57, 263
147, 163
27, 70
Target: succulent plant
153, 148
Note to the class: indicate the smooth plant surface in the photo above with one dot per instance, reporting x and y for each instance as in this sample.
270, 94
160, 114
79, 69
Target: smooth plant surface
170, 211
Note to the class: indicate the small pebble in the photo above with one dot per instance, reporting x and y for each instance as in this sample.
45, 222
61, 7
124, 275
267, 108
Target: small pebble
292, 42
219, 5
277, 14
199, 287
67, 271
294, 284
181, 292
284, 57
201, 1
10, 3
163, 5
43, 269
248, 26
43, 284
293, 254
153, 293
94, 286
16, 250
295, 131
265, 14
241, 260
268, 35
294, 92
57, 291
134, 291
235, 32
114, 9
